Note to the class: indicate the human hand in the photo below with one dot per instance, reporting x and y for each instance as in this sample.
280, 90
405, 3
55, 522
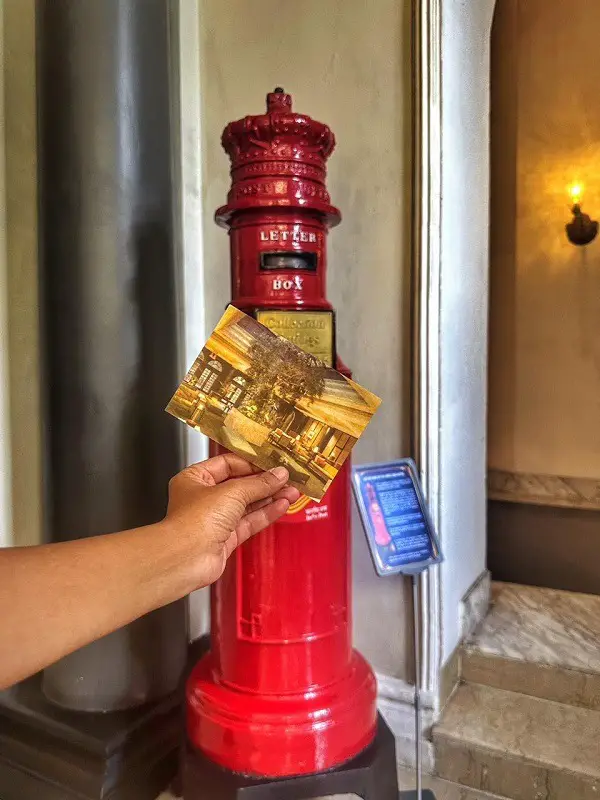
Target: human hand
220, 503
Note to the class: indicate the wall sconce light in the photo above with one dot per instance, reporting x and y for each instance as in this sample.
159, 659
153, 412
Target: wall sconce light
581, 230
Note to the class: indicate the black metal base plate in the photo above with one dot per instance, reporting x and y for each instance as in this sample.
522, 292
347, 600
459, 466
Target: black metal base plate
371, 775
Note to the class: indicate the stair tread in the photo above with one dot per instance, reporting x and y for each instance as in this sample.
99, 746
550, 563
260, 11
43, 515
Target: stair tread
542, 732
541, 626
443, 790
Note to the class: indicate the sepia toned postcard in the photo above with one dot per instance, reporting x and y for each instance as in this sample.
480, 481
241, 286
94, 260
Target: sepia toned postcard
259, 395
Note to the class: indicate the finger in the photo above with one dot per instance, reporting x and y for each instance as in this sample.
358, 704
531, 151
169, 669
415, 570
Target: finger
256, 521
257, 487
220, 468
259, 504
290, 493
287, 493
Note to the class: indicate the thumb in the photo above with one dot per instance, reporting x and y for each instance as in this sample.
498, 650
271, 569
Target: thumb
258, 487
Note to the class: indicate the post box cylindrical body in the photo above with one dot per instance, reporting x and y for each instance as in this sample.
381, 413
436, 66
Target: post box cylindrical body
282, 692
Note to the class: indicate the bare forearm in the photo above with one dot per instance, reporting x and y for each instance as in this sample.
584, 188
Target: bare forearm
59, 597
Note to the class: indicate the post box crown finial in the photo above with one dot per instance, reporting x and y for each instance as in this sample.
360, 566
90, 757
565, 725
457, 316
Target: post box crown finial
278, 158
279, 134
278, 101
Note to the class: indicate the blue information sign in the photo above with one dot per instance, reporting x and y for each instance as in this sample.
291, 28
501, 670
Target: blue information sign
395, 517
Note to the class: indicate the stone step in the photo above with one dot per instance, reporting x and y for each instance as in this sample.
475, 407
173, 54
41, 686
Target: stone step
443, 790
518, 747
539, 642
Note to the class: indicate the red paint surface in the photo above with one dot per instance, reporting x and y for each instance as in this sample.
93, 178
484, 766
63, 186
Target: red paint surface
282, 691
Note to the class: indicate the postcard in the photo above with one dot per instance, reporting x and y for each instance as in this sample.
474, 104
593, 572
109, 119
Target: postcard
259, 395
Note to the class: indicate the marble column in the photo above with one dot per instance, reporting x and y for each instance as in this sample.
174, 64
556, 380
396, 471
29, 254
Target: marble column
109, 314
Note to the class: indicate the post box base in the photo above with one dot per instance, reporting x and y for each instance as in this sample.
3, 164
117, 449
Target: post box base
282, 735
371, 775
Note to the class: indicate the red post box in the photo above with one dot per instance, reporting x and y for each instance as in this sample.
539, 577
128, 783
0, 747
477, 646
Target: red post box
282, 692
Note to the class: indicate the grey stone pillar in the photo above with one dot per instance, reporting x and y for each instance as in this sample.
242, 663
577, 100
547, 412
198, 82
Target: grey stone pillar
110, 323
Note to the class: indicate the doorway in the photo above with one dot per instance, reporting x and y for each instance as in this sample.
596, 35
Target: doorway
544, 347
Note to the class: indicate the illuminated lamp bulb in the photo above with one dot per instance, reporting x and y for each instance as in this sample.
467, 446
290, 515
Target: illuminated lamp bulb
575, 192
581, 230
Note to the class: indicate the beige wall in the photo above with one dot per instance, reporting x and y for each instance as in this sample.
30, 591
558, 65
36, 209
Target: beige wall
545, 296
5, 465
347, 64
21, 248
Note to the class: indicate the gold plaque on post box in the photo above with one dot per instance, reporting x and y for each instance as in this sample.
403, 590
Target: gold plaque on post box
312, 331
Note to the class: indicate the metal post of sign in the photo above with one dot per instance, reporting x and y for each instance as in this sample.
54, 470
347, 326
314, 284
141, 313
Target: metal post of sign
418, 793
417, 643
392, 527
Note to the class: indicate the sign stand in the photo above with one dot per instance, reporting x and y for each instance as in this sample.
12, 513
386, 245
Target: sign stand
418, 793
402, 540
418, 727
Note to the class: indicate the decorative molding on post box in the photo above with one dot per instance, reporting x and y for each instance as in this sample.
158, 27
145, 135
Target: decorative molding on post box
544, 490
426, 311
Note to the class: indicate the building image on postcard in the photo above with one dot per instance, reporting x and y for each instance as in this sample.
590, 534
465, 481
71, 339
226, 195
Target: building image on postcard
262, 397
